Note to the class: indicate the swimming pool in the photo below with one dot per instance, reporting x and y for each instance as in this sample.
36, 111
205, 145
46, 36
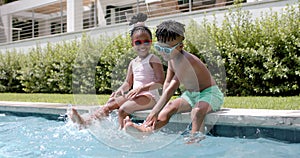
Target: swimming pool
39, 137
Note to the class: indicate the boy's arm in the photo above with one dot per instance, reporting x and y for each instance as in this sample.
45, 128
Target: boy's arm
171, 84
168, 92
170, 75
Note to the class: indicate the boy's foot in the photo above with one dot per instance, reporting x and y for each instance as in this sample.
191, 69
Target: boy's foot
194, 138
137, 131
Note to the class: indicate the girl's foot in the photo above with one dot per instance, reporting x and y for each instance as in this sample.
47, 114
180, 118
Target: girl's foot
75, 117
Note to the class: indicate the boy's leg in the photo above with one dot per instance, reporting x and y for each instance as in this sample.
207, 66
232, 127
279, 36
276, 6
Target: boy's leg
178, 105
143, 102
198, 115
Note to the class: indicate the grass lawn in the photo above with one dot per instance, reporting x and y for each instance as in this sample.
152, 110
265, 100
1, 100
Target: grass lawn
276, 103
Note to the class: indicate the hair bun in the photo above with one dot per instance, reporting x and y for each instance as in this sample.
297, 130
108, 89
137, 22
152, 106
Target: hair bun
138, 19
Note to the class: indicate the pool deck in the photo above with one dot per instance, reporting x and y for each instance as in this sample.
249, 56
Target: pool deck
258, 118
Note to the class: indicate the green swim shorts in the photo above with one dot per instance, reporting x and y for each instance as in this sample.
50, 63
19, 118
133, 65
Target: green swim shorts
212, 95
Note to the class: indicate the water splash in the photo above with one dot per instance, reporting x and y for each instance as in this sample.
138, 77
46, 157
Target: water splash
64, 117
107, 132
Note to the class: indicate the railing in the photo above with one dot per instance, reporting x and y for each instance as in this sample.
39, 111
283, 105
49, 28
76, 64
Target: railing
52, 19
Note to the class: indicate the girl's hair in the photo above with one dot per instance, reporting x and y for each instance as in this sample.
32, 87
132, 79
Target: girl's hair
138, 22
140, 28
169, 30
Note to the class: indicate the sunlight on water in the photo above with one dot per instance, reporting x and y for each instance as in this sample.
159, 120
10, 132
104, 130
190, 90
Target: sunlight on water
38, 137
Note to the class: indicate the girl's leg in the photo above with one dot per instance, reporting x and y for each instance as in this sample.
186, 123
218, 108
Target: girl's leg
75, 117
81, 121
112, 104
143, 102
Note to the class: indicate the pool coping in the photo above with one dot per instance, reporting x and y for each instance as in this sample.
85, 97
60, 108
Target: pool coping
259, 119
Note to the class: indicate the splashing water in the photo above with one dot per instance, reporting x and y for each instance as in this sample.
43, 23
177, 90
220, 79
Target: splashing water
108, 133
39, 137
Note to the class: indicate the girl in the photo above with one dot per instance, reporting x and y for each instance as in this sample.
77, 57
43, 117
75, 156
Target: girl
144, 77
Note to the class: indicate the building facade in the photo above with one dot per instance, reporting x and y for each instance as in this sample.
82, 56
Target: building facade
25, 22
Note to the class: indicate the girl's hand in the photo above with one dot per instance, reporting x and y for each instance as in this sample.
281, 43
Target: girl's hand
119, 92
134, 92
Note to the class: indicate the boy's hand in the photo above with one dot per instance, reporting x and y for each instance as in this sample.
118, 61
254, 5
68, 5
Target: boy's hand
151, 120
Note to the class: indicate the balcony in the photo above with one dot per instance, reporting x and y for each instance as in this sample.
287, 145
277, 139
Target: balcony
40, 21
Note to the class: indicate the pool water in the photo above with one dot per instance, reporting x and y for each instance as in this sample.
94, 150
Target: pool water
39, 137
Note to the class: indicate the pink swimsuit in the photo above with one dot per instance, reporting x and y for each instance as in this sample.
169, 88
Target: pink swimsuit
144, 74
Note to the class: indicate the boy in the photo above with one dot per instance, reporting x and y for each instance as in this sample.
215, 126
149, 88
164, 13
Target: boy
202, 95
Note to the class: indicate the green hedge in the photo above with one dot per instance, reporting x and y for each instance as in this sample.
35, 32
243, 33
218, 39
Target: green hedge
10, 64
246, 57
262, 55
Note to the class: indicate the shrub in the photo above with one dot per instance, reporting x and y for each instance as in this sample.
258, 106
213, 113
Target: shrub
261, 56
246, 56
49, 69
10, 64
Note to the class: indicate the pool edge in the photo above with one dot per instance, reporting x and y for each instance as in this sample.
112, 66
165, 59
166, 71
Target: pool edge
260, 122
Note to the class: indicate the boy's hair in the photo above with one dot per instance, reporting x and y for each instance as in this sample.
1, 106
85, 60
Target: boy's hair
169, 30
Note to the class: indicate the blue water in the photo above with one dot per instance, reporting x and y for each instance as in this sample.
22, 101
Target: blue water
39, 137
